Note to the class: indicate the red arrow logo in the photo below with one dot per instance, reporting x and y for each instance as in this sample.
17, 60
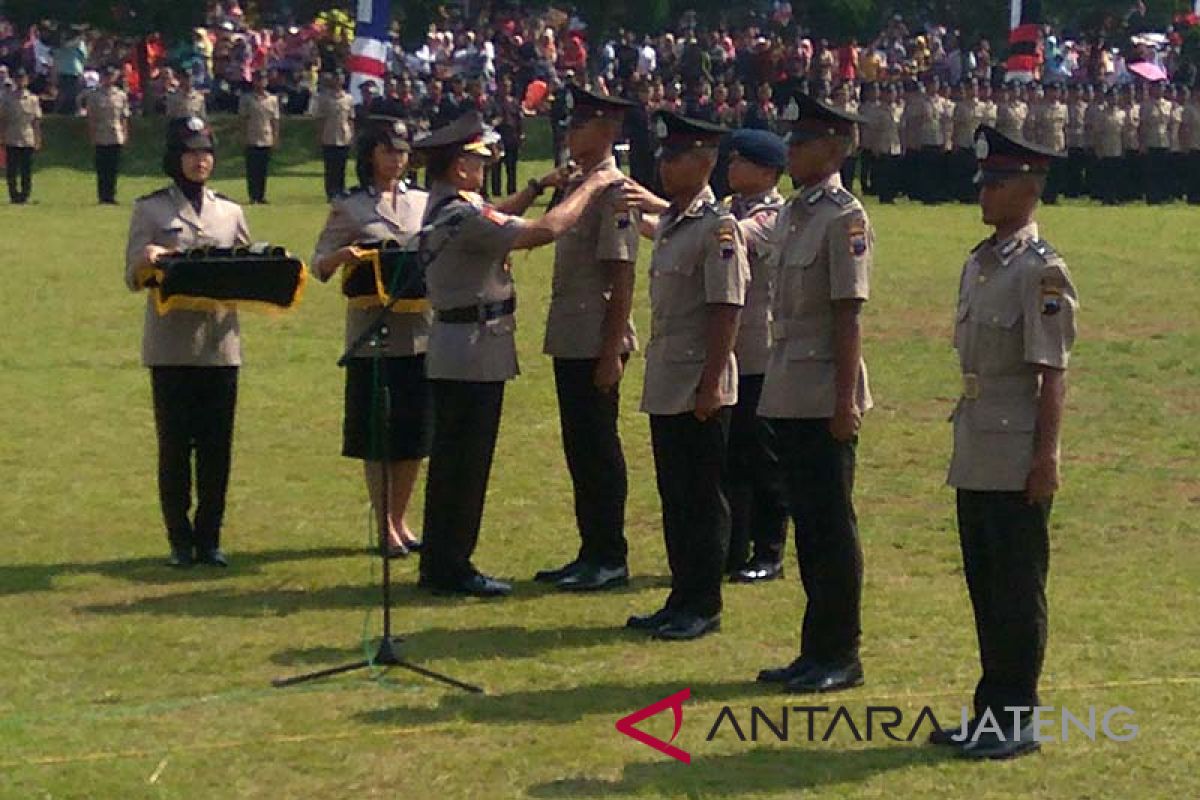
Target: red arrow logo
675, 703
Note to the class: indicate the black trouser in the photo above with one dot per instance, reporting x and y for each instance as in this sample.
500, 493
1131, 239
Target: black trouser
193, 412
910, 173
108, 164
818, 475
335, 169
1074, 180
848, 169
1107, 180
887, 178
1157, 175
1054, 182
1006, 557
1131, 178
258, 161
592, 445
1193, 177
866, 172
932, 174
68, 92
465, 424
19, 171
689, 464
962, 172
507, 168
754, 483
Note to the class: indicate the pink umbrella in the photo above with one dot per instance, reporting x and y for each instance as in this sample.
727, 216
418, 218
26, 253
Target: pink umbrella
1149, 71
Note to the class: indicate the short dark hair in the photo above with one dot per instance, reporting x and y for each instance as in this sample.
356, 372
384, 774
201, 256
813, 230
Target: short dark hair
439, 162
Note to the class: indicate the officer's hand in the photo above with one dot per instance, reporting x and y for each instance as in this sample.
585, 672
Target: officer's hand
608, 373
349, 254
845, 423
151, 253
1042, 482
556, 179
708, 402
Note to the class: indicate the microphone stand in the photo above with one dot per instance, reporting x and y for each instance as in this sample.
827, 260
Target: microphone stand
388, 655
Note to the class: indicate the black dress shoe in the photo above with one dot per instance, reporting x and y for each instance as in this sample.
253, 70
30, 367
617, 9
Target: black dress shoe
181, 558
757, 573
589, 578
685, 627
214, 558
477, 585
556, 575
990, 745
953, 737
821, 679
650, 622
799, 667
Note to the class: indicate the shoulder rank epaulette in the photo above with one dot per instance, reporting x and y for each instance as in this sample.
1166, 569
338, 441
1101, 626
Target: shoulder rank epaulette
814, 197
1043, 249
727, 201
979, 246
220, 196
160, 193
840, 196
470, 197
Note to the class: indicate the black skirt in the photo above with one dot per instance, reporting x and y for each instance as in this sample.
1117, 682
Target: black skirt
409, 426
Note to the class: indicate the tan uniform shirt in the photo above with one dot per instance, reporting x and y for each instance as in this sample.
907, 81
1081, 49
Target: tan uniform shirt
1091, 119
1050, 126
1176, 125
990, 113
923, 126
883, 128
335, 112
1016, 313
699, 260
1132, 135
366, 215
1189, 130
756, 216
261, 115
851, 107
946, 121
821, 250
107, 112
186, 338
968, 116
1011, 117
1077, 118
1108, 140
469, 243
185, 104
19, 112
1154, 125
869, 130
582, 285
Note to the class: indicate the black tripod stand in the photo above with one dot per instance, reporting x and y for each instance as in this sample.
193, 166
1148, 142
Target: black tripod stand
375, 338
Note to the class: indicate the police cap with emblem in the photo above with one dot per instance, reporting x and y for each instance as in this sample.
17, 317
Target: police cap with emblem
678, 134
190, 133
811, 119
584, 105
466, 134
386, 129
1001, 157
759, 147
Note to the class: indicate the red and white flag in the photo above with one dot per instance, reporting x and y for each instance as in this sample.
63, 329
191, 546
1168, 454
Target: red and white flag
369, 51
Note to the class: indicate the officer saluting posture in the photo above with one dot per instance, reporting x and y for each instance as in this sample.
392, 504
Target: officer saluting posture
816, 392
185, 101
1015, 327
108, 128
698, 278
193, 356
589, 334
21, 133
465, 245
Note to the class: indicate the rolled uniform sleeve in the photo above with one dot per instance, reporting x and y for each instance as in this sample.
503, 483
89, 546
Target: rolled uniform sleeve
141, 233
757, 230
851, 249
726, 268
618, 240
338, 232
1050, 303
490, 231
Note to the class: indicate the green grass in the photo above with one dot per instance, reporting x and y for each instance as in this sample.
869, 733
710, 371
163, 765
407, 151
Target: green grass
124, 679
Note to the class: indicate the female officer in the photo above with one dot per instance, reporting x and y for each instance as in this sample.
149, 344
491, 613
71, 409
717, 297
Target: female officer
193, 356
382, 207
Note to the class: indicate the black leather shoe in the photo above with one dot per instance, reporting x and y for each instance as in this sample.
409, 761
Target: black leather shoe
757, 573
181, 558
953, 737
590, 578
556, 575
989, 745
685, 627
821, 679
214, 558
477, 585
650, 622
799, 667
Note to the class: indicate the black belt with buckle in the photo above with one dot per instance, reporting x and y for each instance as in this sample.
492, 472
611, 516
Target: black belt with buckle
484, 312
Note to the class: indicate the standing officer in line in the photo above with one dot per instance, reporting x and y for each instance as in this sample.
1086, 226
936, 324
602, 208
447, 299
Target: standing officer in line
1189, 138
185, 101
1131, 180
1075, 174
259, 110
1108, 148
885, 124
589, 335
21, 134
1155, 133
193, 356
1015, 328
465, 245
108, 129
1011, 112
844, 100
334, 111
872, 110
816, 392
969, 113
1049, 123
698, 278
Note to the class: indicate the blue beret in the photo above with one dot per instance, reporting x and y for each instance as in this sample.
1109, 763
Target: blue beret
760, 147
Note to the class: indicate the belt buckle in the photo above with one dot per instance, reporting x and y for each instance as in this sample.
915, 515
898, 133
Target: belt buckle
970, 386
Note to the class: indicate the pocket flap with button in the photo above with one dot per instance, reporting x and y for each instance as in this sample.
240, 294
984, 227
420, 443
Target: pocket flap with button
1004, 415
998, 318
683, 349
809, 348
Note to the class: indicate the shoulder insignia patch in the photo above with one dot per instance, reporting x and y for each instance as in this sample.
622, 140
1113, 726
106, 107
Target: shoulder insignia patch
814, 197
470, 197
856, 233
1043, 249
727, 238
622, 220
841, 197
979, 246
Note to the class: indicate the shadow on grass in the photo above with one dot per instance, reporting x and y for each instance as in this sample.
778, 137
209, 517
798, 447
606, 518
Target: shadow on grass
21, 578
789, 770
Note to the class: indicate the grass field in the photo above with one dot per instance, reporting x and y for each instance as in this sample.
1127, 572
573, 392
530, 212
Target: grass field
123, 679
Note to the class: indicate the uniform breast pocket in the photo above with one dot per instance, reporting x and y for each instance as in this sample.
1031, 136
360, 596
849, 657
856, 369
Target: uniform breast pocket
682, 349
172, 237
999, 318
1003, 415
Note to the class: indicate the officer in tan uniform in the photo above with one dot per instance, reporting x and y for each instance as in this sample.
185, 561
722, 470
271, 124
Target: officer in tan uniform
698, 279
21, 134
108, 128
815, 394
465, 245
382, 208
969, 113
184, 100
1108, 146
1049, 123
1075, 176
868, 135
1014, 332
844, 100
1011, 112
259, 110
884, 123
1154, 134
1189, 138
334, 112
590, 335
193, 356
